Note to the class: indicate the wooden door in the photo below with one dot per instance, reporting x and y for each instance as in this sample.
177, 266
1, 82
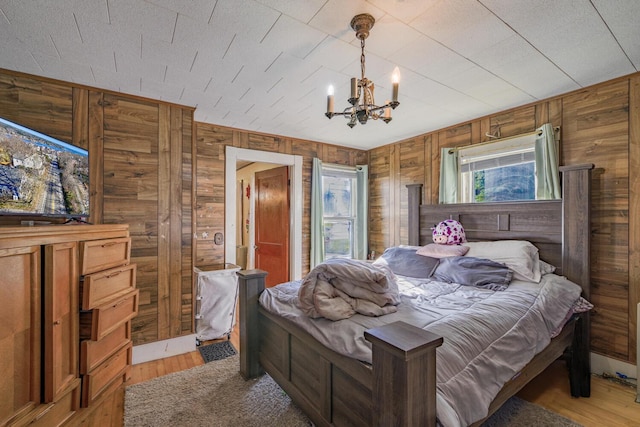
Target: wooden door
272, 224
19, 332
61, 280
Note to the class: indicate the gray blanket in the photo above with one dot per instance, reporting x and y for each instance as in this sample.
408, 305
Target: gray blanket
489, 336
339, 288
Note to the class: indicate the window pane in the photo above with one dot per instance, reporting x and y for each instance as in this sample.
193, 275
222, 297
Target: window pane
337, 196
337, 239
515, 182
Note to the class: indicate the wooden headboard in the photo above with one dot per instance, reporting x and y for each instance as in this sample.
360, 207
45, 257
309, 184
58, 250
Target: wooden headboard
560, 229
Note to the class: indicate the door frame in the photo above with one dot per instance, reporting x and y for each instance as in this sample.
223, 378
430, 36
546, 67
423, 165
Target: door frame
232, 155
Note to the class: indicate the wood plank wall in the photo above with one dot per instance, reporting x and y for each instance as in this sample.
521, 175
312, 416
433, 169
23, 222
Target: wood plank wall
599, 125
211, 141
140, 154
143, 173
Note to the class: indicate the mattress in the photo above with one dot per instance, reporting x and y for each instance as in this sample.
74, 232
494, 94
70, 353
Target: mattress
489, 336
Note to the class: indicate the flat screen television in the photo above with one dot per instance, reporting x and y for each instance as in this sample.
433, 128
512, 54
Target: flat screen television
41, 176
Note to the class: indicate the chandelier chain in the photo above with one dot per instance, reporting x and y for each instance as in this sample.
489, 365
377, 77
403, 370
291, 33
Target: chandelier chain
362, 58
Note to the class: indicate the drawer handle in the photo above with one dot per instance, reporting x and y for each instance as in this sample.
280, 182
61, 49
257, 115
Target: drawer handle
56, 322
114, 274
105, 245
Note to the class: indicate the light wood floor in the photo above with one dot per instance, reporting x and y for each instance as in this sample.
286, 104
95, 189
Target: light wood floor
610, 404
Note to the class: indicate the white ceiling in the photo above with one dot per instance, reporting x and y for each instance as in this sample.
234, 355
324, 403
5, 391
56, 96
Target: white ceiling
265, 65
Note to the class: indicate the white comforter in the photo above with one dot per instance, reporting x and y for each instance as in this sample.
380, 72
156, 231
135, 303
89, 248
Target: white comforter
339, 288
489, 336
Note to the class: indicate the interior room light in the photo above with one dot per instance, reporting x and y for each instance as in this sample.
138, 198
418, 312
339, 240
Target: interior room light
363, 106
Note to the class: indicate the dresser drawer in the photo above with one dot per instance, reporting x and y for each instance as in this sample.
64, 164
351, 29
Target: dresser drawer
107, 376
98, 323
97, 255
54, 413
104, 286
93, 353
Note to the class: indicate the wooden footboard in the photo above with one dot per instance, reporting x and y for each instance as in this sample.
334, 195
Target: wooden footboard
397, 389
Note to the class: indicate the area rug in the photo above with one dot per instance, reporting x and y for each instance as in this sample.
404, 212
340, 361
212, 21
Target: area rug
216, 395
520, 413
216, 351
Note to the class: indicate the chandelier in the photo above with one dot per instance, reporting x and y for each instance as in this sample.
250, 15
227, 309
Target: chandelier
363, 106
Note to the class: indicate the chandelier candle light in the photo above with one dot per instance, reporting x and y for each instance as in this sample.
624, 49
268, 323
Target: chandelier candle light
363, 106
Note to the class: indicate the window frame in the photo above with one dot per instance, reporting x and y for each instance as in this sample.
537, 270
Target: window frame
338, 171
496, 152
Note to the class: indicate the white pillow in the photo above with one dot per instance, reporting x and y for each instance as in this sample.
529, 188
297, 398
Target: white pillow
546, 268
519, 255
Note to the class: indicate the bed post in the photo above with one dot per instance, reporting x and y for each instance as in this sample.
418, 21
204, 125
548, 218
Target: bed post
576, 247
414, 192
404, 379
250, 286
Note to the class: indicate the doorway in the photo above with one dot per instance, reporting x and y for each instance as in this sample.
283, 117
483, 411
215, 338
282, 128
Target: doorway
232, 156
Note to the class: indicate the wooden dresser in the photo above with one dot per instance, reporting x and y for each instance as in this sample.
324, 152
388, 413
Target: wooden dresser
68, 296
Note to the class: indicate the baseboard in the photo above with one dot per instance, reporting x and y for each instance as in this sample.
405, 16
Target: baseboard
161, 349
601, 364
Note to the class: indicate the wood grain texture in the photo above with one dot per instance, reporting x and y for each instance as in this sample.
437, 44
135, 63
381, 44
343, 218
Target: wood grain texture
598, 124
634, 213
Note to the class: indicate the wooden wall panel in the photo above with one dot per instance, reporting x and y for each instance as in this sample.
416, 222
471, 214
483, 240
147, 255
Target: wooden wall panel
210, 163
411, 171
134, 170
634, 212
187, 190
209, 194
379, 198
123, 133
38, 104
95, 130
599, 125
595, 129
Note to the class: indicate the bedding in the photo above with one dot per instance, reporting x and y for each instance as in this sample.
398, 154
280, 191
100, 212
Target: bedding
489, 336
471, 271
339, 288
404, 260
520, 256
435, 250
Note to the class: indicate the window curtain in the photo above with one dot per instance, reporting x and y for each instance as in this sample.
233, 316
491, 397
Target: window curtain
317, 227
362, 205
547, 172
448, 176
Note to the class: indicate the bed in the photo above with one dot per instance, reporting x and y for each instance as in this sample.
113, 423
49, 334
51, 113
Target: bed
398, 386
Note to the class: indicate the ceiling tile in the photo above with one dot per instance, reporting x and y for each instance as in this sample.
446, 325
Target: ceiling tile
266, 64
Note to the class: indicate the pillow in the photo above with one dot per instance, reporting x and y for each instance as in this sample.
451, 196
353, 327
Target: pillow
519, 255
471, 271
546, 268
435, 250
405, 262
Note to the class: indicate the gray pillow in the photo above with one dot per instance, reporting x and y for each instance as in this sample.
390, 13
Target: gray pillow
406, 262
472, 271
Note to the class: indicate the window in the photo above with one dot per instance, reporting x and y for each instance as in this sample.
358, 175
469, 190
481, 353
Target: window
339, 212
502, 171
523, 167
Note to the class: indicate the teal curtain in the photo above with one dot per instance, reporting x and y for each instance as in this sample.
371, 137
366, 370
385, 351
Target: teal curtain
448, 176
547, 172
317, 227
362, 206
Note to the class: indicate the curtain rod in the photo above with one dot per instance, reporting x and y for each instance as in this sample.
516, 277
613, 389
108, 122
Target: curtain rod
536, 132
